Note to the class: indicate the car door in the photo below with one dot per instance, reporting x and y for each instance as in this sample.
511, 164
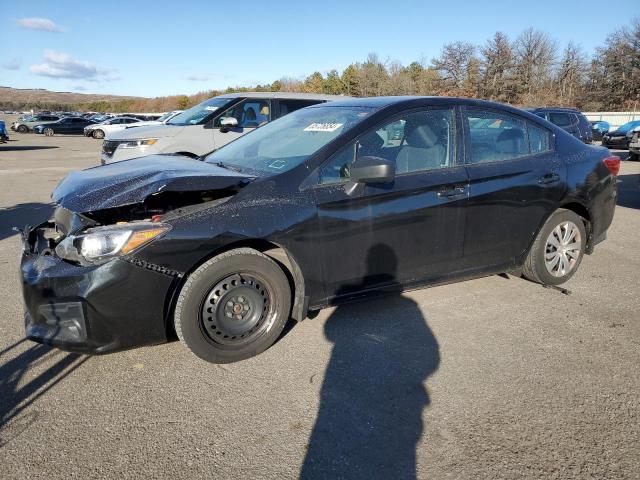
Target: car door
516, 180
250, 114
63, 126
77, 125
396, 233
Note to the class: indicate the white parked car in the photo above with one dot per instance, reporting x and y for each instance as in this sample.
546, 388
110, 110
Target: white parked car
99, 130
207, 126
163, 119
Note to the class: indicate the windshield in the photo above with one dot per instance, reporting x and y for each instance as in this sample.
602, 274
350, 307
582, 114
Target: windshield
165, 116
628, 126
201, 112
287, 142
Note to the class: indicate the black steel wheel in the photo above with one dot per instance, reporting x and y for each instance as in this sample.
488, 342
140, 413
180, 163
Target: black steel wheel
233, 306
237, 309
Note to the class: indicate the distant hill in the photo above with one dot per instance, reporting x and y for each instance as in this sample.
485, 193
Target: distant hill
22, 97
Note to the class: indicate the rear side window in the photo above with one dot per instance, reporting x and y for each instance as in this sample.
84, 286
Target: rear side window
288, 106
561, 119
494, 136
539, 138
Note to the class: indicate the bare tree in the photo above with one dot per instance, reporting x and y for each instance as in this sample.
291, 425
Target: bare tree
496, 69
570, 76
453, 65
534, 55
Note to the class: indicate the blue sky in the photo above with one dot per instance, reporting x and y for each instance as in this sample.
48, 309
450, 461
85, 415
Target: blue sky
152, 48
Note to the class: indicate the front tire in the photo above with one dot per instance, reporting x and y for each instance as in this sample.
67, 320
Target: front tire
557, 250
98, 134
48, 132
233, 306
633, 157
22, 129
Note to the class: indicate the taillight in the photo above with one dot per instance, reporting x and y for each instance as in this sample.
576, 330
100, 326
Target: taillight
613, 164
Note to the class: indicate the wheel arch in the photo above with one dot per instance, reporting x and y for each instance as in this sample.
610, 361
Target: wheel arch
187, 154
580, 209
286, 261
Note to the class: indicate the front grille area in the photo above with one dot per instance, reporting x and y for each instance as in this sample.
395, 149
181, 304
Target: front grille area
109, 146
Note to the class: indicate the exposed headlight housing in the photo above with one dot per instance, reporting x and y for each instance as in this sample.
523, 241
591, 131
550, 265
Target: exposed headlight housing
101, 244
137, 143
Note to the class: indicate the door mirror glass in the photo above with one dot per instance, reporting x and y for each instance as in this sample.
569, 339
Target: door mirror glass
372, 170
229, 122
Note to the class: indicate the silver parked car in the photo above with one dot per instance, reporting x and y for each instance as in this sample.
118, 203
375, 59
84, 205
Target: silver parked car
207, 126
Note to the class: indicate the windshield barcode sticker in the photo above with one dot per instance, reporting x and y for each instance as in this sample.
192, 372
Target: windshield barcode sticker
323, 127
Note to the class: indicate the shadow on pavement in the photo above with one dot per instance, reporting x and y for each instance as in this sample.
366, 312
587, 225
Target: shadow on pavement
629, 191
18, 390
373, 395
16, 148
23, 214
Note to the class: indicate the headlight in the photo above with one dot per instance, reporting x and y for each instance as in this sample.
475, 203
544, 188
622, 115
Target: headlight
101, 244
138, 143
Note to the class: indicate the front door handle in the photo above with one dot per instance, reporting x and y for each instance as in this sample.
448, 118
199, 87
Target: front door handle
453, 191
548, 178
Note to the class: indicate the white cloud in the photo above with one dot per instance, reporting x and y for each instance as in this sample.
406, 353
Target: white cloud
13, 64
198, 78
43, 24
63, 65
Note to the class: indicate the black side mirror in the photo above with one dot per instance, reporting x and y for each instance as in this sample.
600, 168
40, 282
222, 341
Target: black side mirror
369, 170
372, 170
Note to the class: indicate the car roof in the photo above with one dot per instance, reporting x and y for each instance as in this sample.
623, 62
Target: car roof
380, 102
554, 109
283, 95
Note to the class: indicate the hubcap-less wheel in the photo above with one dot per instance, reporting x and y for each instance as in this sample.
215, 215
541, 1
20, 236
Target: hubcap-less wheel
98, 134
563, 249
237, 310
48, 132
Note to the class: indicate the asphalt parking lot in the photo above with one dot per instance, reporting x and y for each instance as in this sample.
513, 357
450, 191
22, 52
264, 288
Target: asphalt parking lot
521, 381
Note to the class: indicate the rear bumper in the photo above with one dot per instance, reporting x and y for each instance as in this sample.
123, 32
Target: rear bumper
95, 309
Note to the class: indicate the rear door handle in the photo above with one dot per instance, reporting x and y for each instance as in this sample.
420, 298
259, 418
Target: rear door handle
452, 192
549, 178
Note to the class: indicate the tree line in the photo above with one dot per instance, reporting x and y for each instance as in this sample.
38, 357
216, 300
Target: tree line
528, 70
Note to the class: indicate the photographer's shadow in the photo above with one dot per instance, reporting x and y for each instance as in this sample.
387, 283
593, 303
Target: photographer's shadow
373, 396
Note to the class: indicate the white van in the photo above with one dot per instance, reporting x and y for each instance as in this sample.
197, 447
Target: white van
207, 126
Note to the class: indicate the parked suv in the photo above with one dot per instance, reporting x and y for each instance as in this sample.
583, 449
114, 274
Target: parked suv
26, 124
207, 126
568, 119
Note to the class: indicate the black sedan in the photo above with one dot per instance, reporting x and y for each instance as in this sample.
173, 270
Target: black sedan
67, 125
328, 204
621, 136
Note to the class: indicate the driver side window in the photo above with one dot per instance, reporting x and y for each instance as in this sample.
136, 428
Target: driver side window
417, 141
251, 113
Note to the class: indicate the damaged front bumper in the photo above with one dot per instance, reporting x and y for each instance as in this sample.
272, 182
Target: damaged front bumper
92, 309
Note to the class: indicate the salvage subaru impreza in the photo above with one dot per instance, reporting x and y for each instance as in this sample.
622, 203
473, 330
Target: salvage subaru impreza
328, 204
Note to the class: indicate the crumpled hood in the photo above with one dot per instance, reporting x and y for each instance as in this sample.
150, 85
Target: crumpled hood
149, 131
132, 181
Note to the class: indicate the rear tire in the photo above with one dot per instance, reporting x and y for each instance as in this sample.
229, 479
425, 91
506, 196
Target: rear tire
22, 129
98, 134
233, 306
557, 250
